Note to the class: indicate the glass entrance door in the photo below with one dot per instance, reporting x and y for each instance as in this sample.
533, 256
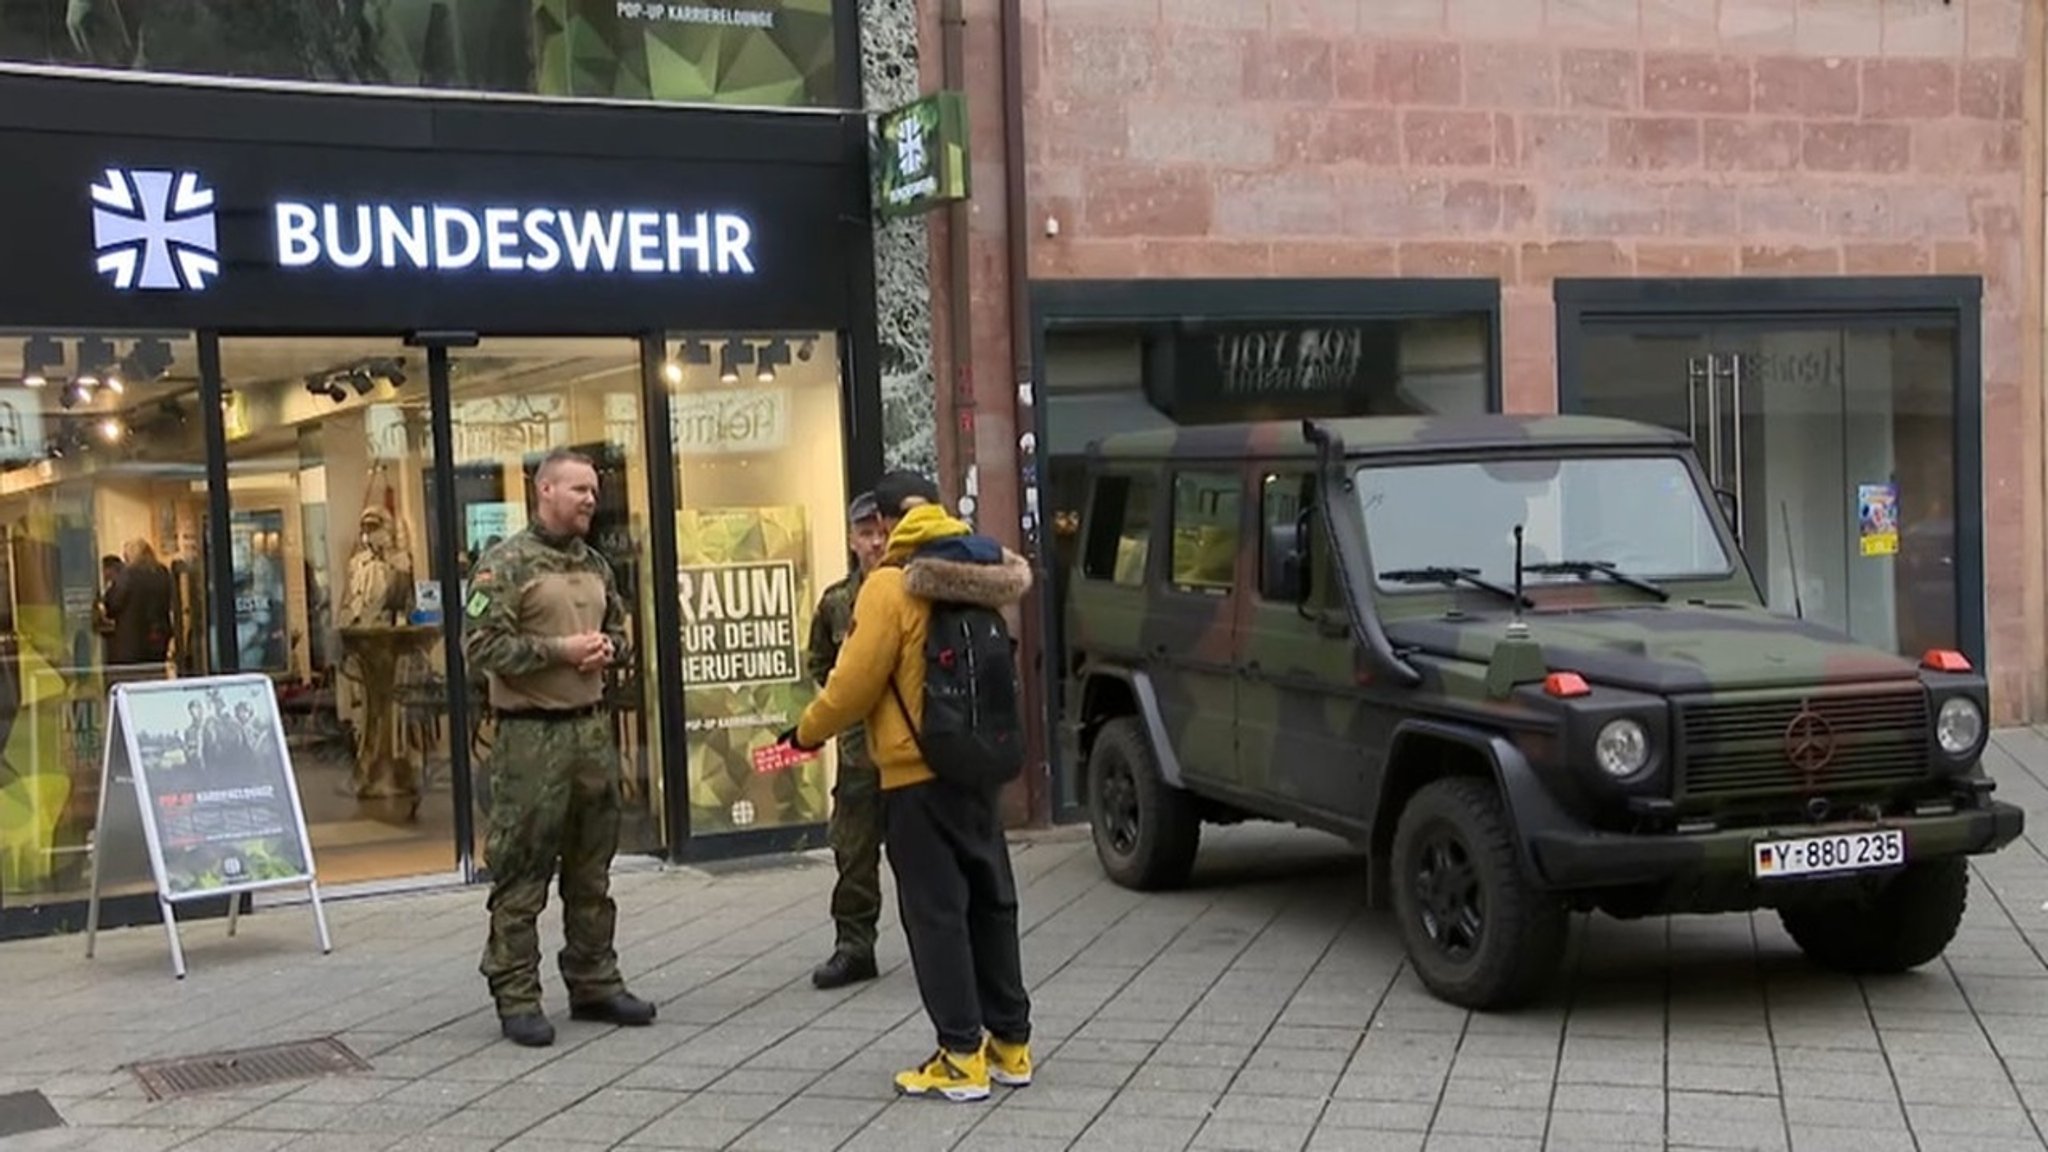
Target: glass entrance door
336, 591
1835, 443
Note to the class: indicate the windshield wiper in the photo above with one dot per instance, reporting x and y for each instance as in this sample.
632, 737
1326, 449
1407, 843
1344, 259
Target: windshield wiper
1441, 574
1585, 568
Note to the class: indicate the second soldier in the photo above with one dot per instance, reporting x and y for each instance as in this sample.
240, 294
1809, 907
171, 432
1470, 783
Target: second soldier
856, 822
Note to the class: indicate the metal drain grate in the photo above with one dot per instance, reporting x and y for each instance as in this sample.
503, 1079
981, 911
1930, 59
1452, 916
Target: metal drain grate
298, 1060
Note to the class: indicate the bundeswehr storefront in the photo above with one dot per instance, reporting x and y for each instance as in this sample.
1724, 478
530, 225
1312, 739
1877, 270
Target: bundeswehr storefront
303, 350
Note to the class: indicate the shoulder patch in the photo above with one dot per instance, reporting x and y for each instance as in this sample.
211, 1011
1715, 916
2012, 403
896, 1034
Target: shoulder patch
478, 601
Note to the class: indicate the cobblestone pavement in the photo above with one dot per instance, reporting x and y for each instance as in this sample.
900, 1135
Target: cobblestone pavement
1262, 1009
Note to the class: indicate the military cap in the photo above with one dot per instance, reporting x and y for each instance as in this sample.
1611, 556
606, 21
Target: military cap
862, 508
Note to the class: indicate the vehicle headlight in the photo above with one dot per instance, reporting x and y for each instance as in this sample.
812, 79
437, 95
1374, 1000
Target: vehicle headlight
1622, 748
1959, 725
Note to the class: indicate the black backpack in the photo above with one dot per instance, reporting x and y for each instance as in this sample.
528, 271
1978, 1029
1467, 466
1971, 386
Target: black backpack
973, 724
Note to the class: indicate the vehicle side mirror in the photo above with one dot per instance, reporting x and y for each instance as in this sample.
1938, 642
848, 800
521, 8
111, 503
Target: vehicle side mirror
1287, 569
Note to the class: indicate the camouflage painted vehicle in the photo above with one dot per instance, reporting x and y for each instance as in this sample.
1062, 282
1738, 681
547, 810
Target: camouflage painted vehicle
1523, 663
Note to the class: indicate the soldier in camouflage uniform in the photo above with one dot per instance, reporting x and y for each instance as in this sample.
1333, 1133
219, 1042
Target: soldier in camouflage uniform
543, 622
856, 828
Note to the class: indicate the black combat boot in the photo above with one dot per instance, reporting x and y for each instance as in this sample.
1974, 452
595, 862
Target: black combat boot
624, 1008
528, 1030
842, 969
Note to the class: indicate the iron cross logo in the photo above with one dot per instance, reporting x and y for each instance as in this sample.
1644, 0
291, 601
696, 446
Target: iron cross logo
154, 229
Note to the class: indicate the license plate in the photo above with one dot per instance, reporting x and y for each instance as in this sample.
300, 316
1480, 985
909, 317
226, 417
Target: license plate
1843, 852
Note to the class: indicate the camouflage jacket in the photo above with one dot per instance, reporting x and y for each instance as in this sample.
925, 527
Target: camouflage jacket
526, 595
829, 626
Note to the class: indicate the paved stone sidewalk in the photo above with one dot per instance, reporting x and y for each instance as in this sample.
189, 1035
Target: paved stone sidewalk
1260, 1010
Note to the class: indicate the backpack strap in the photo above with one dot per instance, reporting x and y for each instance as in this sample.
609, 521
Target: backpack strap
908, 722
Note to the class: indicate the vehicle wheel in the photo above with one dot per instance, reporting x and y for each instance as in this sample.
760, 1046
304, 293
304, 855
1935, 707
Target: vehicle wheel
1478, 933
1901, 926
1145, 830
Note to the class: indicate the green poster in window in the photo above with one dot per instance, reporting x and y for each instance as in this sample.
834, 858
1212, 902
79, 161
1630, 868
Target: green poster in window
744, 582
923, 155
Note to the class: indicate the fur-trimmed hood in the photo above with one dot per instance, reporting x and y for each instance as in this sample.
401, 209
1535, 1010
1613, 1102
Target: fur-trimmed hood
996, 585
943, 559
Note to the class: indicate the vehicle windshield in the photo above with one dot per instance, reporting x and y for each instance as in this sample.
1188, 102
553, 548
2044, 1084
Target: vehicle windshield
1640, 514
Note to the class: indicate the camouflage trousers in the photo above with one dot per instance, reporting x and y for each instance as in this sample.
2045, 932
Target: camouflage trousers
855, 832
554, 804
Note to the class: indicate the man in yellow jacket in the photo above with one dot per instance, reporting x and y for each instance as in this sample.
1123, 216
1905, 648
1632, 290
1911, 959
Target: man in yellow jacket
954, 887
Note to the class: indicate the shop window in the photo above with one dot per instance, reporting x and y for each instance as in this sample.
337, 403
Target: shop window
618, 49
513, 401
761, 532
1206, 530
102, 574
1120, 531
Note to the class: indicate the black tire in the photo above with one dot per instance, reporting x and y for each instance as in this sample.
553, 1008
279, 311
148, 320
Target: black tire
1478, 933
1145, 830
1899, 927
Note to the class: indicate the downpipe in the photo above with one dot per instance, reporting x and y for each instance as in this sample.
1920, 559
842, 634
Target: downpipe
1035, 626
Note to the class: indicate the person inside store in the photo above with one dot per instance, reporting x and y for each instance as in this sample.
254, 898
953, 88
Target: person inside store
138, 602
542, 623
855, 830
954, 887
110, 568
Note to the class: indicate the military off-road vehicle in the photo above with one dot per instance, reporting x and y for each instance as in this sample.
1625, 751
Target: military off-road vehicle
1524, 665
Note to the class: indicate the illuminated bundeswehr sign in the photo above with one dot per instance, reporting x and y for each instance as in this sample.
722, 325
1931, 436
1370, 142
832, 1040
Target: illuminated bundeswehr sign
543, 239
183, 234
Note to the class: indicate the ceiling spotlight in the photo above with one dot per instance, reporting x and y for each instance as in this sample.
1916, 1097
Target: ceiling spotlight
39, 354
774, 352
672, 372
95, 358
74, 394
362, 380
737, 352
695, 351
110, 430
149, 359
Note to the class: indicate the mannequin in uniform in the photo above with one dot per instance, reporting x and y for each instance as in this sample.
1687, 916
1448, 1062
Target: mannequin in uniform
380, 588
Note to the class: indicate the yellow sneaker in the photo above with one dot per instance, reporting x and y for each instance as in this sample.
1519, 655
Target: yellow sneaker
958, 1076
1008, 1064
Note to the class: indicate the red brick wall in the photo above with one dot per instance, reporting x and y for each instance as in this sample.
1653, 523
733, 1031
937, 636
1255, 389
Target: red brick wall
1533, 139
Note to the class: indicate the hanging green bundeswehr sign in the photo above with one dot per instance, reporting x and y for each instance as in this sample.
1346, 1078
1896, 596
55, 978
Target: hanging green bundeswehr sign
923, 155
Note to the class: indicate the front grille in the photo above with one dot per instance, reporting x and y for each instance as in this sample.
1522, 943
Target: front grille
1740, 747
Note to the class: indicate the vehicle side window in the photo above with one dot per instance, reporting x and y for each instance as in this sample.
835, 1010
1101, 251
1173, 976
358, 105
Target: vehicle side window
1119, 530
1282, 496
1205, 530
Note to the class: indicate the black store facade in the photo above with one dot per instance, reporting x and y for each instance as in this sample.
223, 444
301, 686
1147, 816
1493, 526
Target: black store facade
303, 350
